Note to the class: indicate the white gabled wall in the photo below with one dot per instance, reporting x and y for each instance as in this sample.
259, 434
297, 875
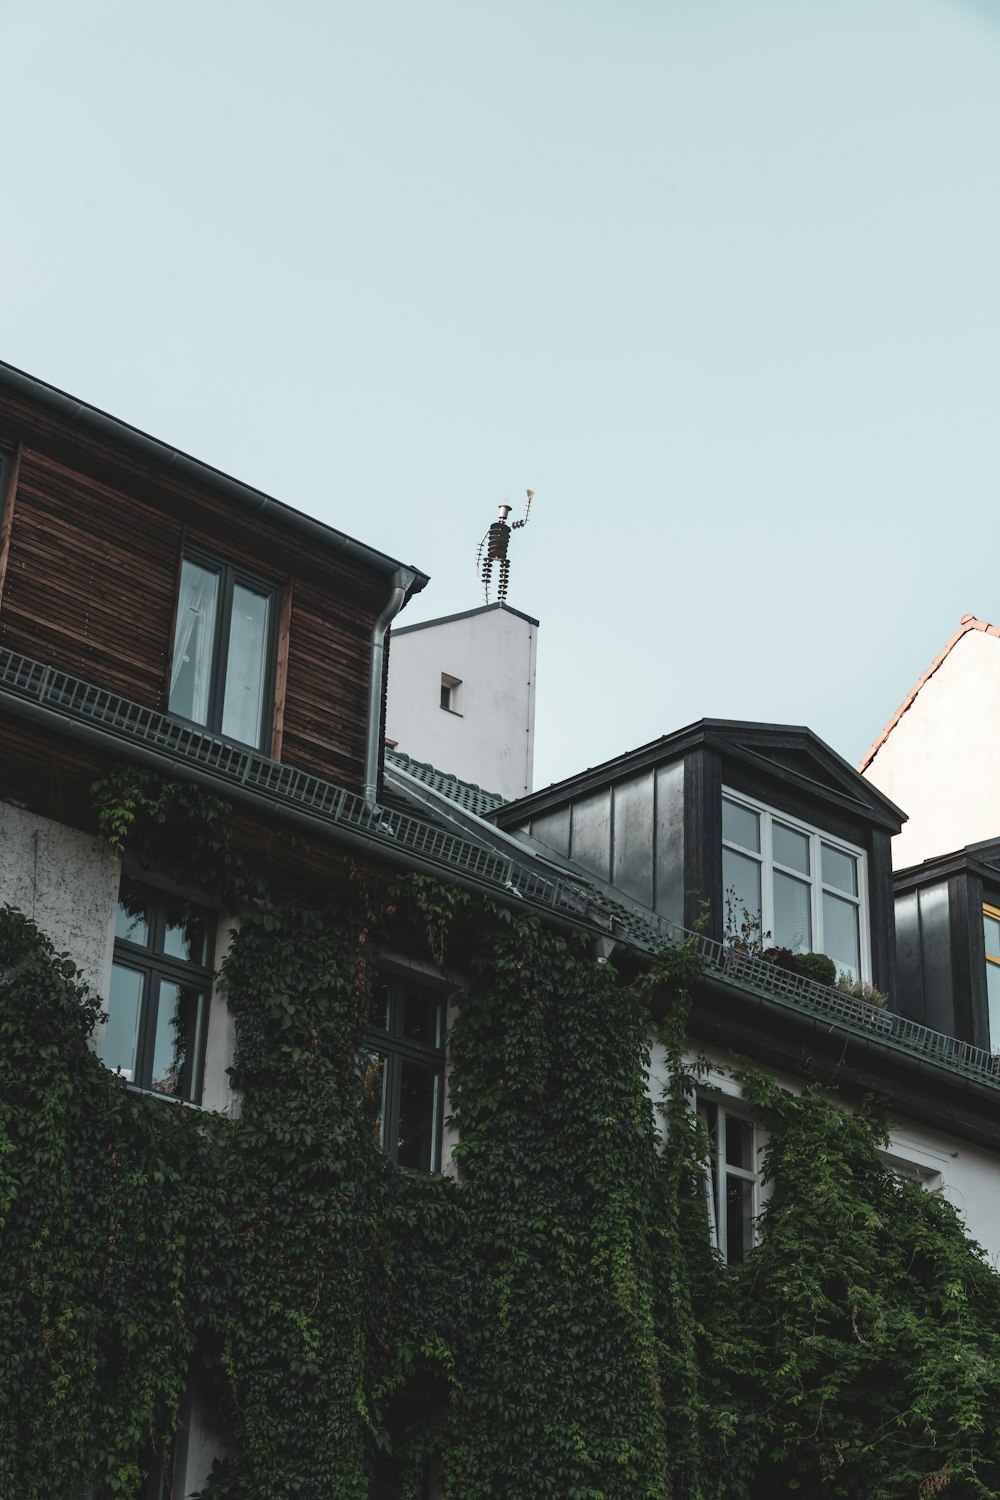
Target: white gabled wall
490, 737
941, 761
67, 882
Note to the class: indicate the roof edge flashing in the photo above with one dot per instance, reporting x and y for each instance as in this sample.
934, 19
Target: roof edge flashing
100, 425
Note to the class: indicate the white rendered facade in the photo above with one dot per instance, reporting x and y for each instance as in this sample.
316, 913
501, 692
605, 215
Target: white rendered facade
462, 696
67, 883
939, 759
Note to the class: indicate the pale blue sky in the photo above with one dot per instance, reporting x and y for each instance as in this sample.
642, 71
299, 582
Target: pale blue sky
718, 279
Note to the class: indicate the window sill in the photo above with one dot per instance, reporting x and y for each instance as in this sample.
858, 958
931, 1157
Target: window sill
137, 1088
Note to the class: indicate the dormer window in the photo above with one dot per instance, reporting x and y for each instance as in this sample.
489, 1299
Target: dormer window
991, 943
222, 669
808, 890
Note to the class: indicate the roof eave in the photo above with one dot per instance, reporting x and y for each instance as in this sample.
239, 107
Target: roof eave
90, 422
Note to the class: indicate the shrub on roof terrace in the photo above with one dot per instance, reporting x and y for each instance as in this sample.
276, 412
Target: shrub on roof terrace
815, 966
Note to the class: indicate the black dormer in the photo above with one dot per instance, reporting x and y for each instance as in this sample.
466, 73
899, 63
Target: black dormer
767, 812
948, 937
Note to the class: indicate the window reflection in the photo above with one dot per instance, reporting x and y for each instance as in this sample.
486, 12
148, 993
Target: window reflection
160, 987
402, 1067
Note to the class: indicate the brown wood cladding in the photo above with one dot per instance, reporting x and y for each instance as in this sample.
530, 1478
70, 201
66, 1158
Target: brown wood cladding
91, 585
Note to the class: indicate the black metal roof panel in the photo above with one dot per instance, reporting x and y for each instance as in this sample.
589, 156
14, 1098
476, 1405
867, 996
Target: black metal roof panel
982, 859
790, 753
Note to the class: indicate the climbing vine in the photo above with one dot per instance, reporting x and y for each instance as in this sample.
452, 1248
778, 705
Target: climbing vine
548, 1319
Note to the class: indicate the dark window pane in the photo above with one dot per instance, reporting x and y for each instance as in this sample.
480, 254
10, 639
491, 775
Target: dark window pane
840, 869
132, 918
739, 1143
121, 1034
741, 885
740, 825
739, 1219
840, 934
194, 643
378, 1006
790, 848
374, 1071
185, 934
792, 913
418, 1098
178, 1023
421, 1017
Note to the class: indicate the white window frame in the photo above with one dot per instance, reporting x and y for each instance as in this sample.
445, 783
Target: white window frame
817, 838
719, 1170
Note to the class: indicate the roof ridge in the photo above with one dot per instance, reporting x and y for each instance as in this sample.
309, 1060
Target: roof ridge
968, 622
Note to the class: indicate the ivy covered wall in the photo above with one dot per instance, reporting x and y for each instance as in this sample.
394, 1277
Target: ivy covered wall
551, 1322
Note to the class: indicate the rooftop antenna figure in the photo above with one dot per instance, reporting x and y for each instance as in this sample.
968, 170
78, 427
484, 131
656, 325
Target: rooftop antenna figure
493, 549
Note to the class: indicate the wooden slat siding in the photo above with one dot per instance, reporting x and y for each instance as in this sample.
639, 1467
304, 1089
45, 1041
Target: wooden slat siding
93, 591
281, 670
91, 581
7, 510
327, 700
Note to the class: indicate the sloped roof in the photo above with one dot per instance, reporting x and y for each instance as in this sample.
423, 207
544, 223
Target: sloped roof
967, 623
473, 798
464, 614
36, 397
791, 752
982, 859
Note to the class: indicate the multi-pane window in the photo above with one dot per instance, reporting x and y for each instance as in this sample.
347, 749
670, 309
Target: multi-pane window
404, 1040
159, 998
733, 1180
807, 889
221, 671
991, 943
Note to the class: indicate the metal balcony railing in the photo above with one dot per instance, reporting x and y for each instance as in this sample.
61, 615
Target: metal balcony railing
590, 904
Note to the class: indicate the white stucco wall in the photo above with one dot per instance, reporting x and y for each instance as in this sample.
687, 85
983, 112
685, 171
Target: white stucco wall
967, 1176
490, 740
941, 761
67, 882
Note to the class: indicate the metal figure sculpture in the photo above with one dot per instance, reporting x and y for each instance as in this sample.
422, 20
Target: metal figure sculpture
493, 549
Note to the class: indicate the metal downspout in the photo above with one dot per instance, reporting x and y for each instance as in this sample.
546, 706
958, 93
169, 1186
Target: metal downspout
402, 581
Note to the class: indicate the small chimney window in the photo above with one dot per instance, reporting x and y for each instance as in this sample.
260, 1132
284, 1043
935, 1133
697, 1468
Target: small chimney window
451, 691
